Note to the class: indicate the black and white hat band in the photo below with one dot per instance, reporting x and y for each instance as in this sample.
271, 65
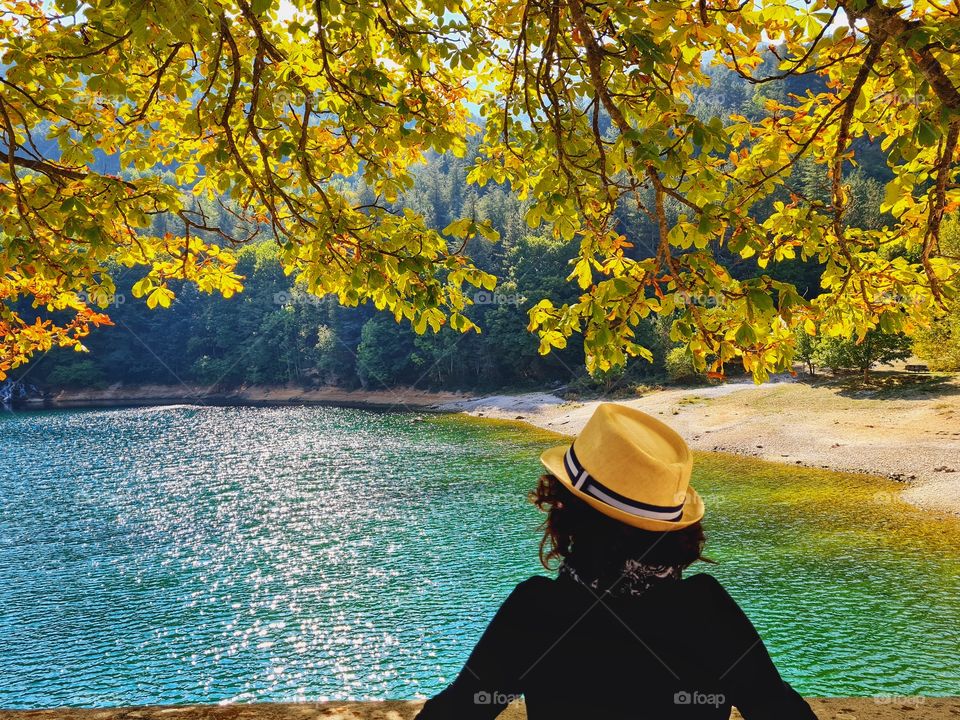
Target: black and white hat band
585, 483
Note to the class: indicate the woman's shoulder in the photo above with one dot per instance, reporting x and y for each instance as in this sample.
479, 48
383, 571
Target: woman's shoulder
703, 581
534, 585
698, 589
526, 596
700, 582
701, 598
534, 591
703, 591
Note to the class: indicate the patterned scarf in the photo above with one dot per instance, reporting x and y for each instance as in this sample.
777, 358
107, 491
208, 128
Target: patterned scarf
631, 579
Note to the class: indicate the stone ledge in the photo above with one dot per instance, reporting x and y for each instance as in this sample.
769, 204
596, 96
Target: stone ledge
916, 708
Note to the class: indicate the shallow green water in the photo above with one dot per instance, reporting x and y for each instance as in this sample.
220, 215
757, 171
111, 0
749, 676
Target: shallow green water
204, 554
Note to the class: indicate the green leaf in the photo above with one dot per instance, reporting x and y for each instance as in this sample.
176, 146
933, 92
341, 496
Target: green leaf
760, 300
583, 274
459, 228
141, 287
926, 134
746, 335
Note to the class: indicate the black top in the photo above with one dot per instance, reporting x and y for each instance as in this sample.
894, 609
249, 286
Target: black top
681, 650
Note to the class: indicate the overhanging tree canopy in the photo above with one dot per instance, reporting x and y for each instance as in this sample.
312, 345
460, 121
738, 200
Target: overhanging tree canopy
264, 106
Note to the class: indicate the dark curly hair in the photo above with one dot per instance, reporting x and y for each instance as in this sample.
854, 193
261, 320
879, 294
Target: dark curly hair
601, 542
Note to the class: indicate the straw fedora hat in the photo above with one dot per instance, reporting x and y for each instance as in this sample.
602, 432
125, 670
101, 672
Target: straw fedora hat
631, 467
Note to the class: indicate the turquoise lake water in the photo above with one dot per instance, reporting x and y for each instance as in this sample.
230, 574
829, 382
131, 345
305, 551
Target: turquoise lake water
196, 554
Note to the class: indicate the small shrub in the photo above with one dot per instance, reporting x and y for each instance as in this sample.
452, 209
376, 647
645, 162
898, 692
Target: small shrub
680, 366
77, 374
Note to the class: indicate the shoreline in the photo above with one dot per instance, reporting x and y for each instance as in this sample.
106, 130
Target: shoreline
912, 440
263, 396
859, 708
912, 437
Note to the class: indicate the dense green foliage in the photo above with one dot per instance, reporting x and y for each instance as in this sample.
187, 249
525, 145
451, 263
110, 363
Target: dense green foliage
840, 354
684, 210
274, 332
939, 344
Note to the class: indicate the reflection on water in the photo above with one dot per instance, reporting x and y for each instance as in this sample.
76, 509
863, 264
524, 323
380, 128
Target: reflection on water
204, 554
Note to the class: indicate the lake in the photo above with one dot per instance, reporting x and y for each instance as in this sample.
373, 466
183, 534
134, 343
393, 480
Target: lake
205, 554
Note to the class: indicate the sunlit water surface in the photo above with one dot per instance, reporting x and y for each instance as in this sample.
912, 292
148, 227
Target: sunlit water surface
190, 554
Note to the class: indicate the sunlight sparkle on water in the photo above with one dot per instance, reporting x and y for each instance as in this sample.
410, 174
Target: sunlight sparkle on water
310, 553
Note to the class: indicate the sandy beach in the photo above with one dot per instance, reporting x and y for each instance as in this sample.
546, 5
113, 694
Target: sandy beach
913, 438
886, 708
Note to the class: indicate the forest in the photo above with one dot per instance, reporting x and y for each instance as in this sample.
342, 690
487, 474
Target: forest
675, 189
274, 332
